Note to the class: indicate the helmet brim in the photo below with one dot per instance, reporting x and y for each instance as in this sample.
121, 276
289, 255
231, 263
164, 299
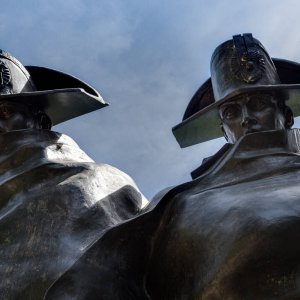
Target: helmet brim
204, 125
61, 96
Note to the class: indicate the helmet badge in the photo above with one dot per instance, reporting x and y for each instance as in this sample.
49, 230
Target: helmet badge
247, 63
4, 75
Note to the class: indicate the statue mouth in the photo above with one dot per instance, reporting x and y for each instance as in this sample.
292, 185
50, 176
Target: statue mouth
251, 130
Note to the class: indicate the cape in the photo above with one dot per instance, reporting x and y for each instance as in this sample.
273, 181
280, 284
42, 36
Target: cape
232, 233
55, 201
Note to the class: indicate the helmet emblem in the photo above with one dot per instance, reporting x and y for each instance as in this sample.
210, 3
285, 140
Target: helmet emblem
4, 75
248, 67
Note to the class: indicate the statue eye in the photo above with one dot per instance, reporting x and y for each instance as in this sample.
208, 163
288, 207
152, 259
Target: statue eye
231, 111
5, 112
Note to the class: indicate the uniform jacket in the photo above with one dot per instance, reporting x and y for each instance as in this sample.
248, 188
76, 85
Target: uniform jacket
232, 233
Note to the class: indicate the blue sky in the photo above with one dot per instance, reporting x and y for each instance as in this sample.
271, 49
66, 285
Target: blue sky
146, 58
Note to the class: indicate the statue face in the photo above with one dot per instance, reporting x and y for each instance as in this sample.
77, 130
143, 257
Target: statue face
15, 116
250, 113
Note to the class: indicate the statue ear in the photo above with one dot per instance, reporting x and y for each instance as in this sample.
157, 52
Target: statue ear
224, 132
43, 121
289, 117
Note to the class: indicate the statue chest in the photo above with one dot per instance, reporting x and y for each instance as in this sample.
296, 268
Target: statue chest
239, 241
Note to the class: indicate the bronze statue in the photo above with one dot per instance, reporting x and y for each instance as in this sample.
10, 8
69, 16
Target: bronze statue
233, 232
55, 201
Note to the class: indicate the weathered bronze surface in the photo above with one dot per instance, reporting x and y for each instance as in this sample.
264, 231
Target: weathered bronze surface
231, 233
55, 201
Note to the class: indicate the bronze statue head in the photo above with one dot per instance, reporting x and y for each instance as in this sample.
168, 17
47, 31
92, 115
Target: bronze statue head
238, 63
36, 97
16, 114
243, 76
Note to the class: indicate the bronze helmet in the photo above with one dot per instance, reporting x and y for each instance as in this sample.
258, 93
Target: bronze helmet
238, 66
59, 95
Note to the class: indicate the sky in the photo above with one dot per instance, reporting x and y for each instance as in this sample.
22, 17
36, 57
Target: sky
147, 59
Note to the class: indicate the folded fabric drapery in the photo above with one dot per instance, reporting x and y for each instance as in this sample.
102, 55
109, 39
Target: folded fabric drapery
55, 201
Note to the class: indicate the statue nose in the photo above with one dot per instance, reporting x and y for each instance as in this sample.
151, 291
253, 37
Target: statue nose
247, 119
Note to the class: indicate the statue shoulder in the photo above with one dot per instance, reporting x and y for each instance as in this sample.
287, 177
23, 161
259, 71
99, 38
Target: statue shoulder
115, 179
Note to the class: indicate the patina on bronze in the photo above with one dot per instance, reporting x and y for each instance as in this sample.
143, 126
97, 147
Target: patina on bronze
231, 233
55, 200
